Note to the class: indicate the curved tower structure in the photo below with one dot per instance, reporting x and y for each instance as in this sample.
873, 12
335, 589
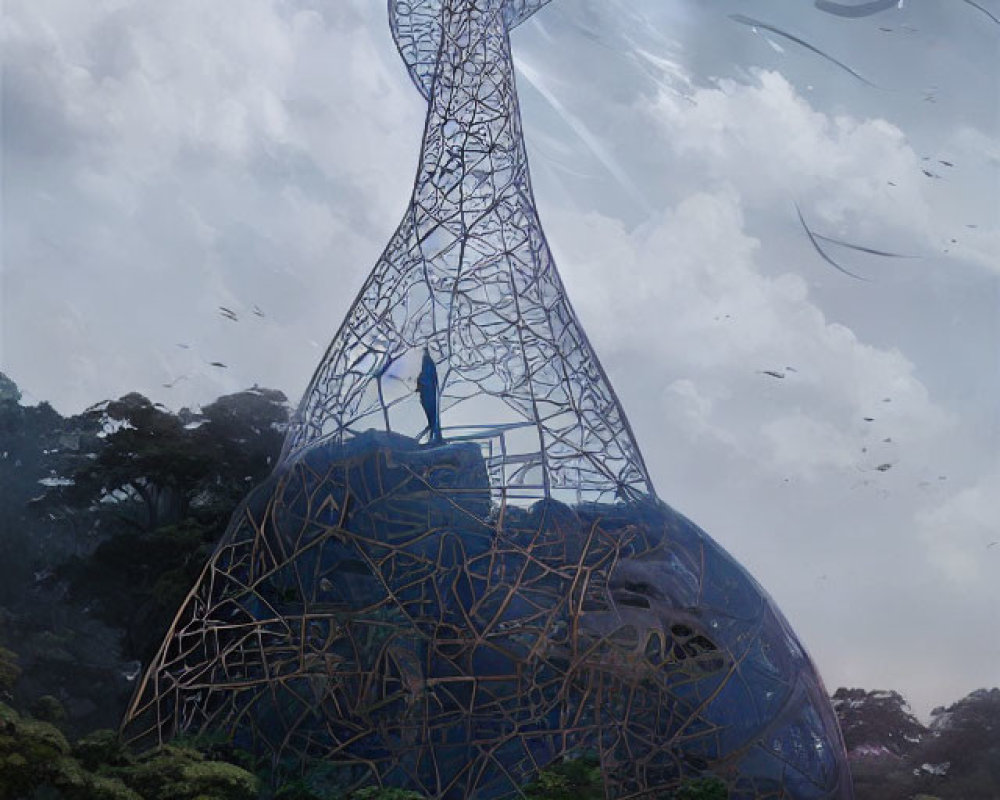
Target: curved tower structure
468, 279
459, 571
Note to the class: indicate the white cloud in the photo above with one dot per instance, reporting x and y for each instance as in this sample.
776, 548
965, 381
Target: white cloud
715, 323
857, 178
960, 535
766, 138
181, 157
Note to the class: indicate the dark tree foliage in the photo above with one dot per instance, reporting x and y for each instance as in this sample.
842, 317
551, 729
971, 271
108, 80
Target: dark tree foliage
106, 519
703, 789
156, 468
966, 737
37, 761
385, 794
879, 719
150, 466
10, 670
241, 436
895, 757
173, 481
135, 580
572, 779
36, 445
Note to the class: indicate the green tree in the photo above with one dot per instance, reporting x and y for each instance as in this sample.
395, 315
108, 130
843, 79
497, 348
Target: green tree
9, 393
174, 480
35, 756
156, 468
964, 752
182, 773
48, 709
135, 580
708, 788
570, 779
375, 793
240, 436
148, 469
37, 446
10, 669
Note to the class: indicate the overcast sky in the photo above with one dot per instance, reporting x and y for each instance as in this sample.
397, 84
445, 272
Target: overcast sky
163, 159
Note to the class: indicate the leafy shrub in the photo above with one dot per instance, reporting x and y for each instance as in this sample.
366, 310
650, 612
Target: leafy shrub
10, 670
48, 709
35, 754
575, 779
102, 747
181, 773
374, 793
702, 789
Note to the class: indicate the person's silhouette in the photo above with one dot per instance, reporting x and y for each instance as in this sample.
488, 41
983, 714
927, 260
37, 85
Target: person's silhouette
427, 388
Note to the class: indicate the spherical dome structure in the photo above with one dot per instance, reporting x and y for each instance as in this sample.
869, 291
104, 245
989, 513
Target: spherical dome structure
459, 573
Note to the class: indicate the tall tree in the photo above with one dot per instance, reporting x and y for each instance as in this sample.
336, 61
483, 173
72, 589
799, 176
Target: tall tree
149, 467
171, 483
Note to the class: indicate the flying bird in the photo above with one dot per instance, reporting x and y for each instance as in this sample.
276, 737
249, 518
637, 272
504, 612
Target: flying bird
217, 364
257, 311
772, 373
427, 388
228, 313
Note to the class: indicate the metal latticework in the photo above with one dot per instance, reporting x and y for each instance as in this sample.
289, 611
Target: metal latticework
459, 572
468, 278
